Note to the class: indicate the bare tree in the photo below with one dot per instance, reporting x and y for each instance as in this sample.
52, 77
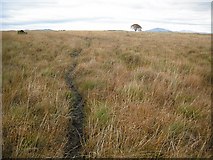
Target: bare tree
136, 27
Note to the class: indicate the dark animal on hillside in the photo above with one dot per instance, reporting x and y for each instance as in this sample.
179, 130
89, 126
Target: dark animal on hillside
22, 32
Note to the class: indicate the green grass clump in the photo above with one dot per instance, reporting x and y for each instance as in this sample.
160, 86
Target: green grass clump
102, 113
188, 111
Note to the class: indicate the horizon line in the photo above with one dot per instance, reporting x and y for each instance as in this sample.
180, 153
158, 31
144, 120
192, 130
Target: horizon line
181, 31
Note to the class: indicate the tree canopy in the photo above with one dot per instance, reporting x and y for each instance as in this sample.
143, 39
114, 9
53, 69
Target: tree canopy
136, 27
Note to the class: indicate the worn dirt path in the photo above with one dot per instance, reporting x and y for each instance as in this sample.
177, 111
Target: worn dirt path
75, 128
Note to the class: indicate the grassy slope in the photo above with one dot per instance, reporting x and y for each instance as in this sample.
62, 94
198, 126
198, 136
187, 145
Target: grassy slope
147, 94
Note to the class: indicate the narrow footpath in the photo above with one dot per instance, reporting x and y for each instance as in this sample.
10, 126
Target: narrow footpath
75, 128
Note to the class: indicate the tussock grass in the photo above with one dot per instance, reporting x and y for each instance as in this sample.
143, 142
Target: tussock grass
156, 90
147, 94
35, 108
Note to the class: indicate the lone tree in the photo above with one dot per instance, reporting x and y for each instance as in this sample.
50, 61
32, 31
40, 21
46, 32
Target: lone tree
136, 27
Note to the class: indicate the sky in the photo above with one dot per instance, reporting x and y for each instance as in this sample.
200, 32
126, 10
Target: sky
175, 15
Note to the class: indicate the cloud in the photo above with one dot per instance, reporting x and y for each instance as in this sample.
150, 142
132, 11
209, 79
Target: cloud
99, 14
93, 19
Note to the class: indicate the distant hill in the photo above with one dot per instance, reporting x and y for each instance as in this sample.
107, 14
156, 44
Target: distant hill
47, 30
158, 30
39, 30
116, 30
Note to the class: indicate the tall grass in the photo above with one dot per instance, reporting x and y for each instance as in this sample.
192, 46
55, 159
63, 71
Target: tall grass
156, 88
35, 109
147, 94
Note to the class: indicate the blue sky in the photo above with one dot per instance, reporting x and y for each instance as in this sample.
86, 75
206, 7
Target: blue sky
194, 15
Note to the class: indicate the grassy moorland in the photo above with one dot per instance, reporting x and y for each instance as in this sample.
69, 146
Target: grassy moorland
146, 94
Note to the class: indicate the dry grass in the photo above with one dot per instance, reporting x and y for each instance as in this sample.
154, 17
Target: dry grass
147, 94
35, 108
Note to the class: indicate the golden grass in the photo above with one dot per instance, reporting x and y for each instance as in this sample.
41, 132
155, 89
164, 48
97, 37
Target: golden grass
35, 109
147, 94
